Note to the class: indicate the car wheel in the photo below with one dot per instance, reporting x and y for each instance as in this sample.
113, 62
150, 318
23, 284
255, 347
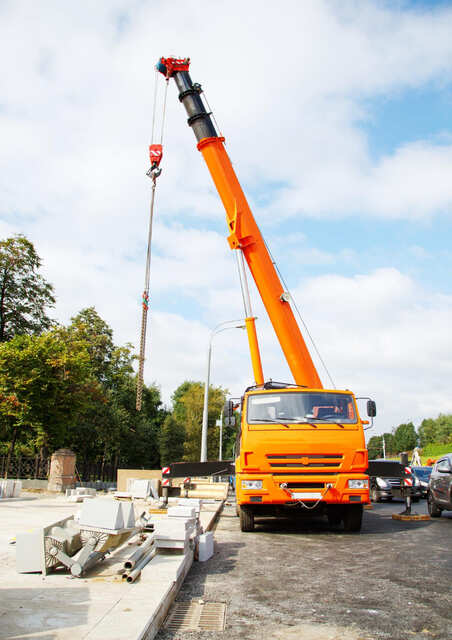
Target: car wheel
246, 519
374, 495
433, 509
353, 517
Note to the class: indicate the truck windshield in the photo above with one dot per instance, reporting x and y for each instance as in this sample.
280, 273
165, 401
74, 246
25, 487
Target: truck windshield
299, 407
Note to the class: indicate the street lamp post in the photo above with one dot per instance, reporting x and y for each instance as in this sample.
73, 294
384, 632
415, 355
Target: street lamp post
229, 324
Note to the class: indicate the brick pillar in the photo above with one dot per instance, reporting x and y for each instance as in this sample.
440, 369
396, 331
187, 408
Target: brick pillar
62, 470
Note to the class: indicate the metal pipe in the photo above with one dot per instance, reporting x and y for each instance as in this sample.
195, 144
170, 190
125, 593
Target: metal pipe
134, 574
136, 555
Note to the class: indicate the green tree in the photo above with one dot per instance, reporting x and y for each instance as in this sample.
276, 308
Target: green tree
436, 430
375, 447
24, 293
171, 441
188, 400
405, 437
88, 326
110, 430
45, 384
389, 443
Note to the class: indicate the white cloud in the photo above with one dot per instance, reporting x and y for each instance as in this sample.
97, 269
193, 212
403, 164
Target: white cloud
288, 88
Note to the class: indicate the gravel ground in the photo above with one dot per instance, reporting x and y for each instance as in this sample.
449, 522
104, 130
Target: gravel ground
300, 581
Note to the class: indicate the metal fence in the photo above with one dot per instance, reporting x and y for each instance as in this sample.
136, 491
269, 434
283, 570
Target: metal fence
30, 468
37, 468
91, 471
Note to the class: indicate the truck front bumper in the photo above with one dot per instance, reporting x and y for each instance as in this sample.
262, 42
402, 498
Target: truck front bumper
283, 489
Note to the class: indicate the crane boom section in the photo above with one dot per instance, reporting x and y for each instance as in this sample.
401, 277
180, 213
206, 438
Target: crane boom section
245, 234
243, 230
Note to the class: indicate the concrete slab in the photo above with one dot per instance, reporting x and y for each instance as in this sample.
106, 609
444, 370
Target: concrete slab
102, 605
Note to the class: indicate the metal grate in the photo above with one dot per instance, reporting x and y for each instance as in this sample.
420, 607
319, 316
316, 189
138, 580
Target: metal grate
196, 616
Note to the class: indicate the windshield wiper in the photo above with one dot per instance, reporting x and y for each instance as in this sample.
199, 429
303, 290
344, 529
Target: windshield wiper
284, 424
272, 421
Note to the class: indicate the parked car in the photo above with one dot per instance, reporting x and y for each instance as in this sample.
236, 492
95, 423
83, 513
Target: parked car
389, 488
423, 474
439, 496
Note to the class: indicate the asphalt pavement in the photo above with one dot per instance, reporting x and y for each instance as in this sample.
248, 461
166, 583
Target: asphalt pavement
302, 581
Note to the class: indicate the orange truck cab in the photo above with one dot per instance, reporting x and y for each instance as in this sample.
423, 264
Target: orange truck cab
301, 450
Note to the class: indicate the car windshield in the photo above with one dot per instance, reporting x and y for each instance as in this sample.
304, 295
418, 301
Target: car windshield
301, 407
423, 474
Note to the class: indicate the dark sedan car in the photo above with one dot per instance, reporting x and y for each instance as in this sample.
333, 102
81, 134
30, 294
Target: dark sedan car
423, 474
389, 488
439, 496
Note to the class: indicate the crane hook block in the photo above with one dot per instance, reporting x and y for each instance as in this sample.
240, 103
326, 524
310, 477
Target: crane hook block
155, 154
169, 66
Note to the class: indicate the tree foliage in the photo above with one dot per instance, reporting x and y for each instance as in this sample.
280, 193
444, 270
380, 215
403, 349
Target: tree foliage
73, 387
24, 293
46, 383
405, 437
188, 400
171, 441
375, 447
436, 431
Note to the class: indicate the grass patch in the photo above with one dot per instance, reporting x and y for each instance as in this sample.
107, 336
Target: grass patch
436, 450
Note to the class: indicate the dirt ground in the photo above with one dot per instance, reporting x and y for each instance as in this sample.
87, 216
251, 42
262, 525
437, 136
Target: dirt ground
301, 581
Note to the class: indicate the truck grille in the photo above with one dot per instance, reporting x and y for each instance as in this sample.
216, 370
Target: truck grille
305, 460
305, 485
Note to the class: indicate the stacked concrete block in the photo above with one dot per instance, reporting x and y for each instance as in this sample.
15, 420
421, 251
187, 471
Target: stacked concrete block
128, 513
107, 514
181, 512
10, 488
80, 493
196, 503
139, 488
205, 546
174, 533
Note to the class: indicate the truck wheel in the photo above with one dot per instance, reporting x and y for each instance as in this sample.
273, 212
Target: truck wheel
353, 517
433, 510
374, 495
334, 517
246, 519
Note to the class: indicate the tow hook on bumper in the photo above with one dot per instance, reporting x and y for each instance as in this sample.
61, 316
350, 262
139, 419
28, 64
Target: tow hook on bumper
304, 495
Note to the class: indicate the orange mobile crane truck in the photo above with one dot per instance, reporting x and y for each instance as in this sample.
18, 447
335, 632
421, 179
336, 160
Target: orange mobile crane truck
300, 447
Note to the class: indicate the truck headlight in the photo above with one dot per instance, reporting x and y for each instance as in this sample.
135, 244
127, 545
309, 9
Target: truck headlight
358, 484
251, 484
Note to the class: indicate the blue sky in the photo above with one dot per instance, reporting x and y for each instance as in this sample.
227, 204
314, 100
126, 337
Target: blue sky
338, 121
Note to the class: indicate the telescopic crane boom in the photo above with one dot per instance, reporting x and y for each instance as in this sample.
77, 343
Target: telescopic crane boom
244, 233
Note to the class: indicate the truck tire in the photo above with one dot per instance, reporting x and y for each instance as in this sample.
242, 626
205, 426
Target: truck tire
433, 509
246, 519
334, 516
353, 517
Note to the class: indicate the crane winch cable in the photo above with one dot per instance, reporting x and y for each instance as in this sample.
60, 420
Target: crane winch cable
155, 154
308, 333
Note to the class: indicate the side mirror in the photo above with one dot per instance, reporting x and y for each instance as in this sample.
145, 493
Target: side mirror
228, 410
371, 409
229, 422
444, 467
